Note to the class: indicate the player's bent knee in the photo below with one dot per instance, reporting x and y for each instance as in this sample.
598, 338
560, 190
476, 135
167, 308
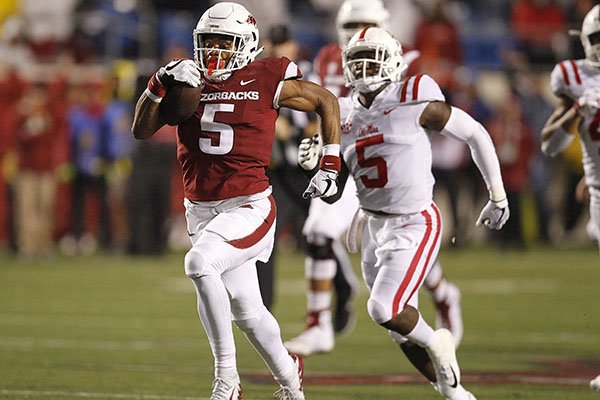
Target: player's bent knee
377, 311
249, 321
195, 265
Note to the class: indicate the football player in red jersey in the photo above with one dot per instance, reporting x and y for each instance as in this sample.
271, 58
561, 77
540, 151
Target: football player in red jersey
224, 149
327, 263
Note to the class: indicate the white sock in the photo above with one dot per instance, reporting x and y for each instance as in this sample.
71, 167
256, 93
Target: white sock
319, 270
318, 301
422, 334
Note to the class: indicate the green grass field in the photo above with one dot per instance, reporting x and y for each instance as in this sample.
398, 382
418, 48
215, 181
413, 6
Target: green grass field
113, 327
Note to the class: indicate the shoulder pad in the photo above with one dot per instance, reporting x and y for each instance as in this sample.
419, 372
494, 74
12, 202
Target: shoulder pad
420, 88
564, 77
283, 67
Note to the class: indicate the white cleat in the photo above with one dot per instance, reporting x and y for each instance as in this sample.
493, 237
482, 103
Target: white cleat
595, 384
459, 394
294, 391
448, 313
443, 356
226, 389
315, 339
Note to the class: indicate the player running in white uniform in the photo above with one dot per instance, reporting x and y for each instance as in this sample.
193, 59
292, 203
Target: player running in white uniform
326, 223
577, 85
387, 126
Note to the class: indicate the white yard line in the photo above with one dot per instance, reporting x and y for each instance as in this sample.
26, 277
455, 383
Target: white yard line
28, 343
90, 395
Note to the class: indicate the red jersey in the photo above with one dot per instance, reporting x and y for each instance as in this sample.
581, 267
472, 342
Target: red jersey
328, 70
225, 147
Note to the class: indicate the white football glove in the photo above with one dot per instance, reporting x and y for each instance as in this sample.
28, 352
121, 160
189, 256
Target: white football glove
323, 184
180, 71
309, 152
494, 215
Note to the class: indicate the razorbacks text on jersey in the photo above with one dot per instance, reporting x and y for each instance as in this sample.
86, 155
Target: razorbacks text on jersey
571, 78
385, 148
225, 147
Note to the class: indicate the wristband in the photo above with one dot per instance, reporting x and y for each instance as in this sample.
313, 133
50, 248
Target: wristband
497, 194
152, 96
332, 149
156, 90
331, 157
332, 163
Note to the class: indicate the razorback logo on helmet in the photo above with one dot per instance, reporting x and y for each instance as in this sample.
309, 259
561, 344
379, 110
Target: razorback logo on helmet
251, 20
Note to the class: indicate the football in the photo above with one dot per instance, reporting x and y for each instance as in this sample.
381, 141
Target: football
179, 103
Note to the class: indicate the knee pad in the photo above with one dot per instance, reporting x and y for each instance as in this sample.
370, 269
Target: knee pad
249, 321
377, 311
319, 269
397, 338
319, 247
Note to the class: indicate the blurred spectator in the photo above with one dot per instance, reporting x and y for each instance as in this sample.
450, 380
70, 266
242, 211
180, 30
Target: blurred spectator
540, 28
89, 156
153, 163
35, 183
48, 25
448, 167
454, 168
117, 120
514, 142
437, 38
528, 88
11, 87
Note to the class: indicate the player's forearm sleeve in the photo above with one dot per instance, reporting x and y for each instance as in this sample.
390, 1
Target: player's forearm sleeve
557, 142
461, 126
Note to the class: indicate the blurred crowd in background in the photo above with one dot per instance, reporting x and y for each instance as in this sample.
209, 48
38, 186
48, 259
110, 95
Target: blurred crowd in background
72, 178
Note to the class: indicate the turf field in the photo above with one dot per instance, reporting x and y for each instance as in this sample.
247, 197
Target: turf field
112, 327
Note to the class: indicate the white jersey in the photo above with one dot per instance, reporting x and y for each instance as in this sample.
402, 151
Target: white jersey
570, 78
386, 149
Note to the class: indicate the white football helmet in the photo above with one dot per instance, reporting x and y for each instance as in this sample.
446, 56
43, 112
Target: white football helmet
233, 21
590, 26
359, 11
383, 63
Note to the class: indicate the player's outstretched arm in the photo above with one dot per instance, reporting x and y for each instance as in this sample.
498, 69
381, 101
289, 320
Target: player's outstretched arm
146, 120
457, 124
307, 96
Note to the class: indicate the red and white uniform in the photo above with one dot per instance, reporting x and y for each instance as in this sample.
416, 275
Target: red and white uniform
225, 147
389, 156
571, 78
224, 150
